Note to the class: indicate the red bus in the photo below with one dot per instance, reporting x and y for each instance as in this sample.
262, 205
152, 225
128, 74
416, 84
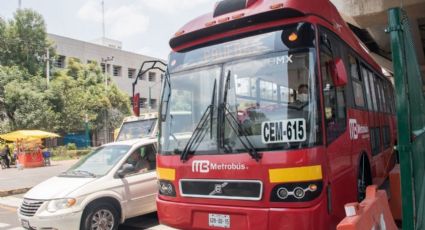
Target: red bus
273, 116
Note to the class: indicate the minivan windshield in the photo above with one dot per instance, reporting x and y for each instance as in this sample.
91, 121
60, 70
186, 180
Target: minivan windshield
99, 162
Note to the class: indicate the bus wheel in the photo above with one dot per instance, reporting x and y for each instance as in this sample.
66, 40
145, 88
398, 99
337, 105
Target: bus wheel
364, 178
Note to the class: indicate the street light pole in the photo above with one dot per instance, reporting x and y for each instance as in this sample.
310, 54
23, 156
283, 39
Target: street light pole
150, 95
105, 61
48, 66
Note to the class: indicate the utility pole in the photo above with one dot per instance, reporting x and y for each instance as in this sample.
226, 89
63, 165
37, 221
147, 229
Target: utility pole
20, 4
105, 61
103, 19
48, 66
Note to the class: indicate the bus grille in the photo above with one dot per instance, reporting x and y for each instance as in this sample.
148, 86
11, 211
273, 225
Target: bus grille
222, 189
30, 207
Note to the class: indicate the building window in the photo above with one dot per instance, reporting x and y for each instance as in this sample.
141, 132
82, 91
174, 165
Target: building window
60, 61
117, 71
152, 76
131, 73
103, 66
153, 104
143, 102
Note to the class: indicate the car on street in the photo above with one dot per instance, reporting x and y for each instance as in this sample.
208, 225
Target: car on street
114, 182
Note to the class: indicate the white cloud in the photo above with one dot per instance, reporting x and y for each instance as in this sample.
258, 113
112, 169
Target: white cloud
175, 6
120, 22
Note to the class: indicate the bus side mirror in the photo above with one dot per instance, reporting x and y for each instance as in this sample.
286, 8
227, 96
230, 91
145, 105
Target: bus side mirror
339, 73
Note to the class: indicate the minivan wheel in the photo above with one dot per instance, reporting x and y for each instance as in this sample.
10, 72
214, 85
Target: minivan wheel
101, 216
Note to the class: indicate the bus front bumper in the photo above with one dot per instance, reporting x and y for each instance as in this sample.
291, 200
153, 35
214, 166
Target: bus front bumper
197, 216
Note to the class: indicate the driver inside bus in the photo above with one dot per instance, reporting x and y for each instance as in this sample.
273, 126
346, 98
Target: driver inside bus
302, 93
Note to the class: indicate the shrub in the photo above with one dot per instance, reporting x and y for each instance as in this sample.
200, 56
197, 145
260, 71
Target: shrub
71, 146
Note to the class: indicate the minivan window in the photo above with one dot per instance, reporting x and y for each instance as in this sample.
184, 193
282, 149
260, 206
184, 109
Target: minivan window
99, 162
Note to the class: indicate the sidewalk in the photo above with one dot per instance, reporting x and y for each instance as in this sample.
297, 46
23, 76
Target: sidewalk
14, 181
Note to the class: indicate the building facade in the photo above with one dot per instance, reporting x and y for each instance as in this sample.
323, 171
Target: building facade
121, 66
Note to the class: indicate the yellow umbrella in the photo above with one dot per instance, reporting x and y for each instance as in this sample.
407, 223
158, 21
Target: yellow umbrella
27, 134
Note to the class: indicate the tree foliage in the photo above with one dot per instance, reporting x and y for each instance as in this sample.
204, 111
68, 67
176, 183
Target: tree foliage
27, 102
24, 41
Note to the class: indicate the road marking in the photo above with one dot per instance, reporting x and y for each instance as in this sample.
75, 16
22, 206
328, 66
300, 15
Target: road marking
4, 225
12, 209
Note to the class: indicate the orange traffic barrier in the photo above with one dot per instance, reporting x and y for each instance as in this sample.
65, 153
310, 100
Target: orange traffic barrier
395, 190
372, 213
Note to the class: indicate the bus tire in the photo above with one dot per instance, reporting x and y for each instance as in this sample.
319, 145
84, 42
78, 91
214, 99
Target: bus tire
364, 177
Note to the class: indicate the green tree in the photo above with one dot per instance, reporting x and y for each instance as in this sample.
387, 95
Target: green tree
24, 41
26, 102
79, 90
27, 106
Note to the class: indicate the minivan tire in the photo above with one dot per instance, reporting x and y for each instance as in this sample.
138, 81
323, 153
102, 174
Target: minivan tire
103, 213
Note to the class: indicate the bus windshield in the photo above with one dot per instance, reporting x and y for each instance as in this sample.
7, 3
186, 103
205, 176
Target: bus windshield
271, 99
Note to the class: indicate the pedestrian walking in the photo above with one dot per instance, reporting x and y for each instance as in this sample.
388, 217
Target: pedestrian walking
5, 155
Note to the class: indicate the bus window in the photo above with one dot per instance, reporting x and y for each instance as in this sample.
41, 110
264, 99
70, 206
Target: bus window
334, 101
368, 94
383, 98
373, 91
357, 83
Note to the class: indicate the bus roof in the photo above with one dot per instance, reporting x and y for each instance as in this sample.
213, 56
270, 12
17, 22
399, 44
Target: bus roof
230, 17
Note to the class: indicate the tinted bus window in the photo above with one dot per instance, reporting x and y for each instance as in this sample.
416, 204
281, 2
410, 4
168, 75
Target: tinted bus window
334, 101
373, 91
368, 94
383, 100
357, 83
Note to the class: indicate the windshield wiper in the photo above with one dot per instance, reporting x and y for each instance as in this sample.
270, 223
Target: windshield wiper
234, 122
199, 132
167, 83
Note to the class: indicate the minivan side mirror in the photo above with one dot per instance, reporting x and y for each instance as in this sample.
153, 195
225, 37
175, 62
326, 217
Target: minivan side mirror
339, 73
125, 169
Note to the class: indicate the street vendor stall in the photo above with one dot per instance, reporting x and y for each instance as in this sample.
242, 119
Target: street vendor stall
28, 145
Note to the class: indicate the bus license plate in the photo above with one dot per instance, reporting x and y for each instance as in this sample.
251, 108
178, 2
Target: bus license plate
219, 220
25, 224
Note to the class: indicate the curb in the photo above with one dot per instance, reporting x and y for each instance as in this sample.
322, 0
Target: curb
13, 192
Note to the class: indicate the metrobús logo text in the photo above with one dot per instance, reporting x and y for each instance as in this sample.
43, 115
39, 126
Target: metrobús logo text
204, 166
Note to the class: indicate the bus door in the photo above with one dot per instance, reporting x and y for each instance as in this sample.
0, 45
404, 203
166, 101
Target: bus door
374, 119
338, 144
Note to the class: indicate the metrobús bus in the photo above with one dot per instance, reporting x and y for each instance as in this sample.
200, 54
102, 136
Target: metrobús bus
284, 118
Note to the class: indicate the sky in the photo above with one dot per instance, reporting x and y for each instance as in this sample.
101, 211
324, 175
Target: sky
143, 26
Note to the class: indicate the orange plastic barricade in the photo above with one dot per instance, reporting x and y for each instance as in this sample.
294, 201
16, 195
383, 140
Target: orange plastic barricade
372, 213
395, 191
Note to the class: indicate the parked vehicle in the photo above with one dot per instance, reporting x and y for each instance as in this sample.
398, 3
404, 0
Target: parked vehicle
132, 127
114, 182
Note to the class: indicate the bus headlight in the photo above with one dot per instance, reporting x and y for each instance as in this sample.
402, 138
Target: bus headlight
166, 188
282, 193
296, 192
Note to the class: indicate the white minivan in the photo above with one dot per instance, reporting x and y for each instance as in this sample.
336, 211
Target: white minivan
115, 182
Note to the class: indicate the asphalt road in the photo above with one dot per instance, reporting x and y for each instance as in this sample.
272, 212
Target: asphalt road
8, 219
